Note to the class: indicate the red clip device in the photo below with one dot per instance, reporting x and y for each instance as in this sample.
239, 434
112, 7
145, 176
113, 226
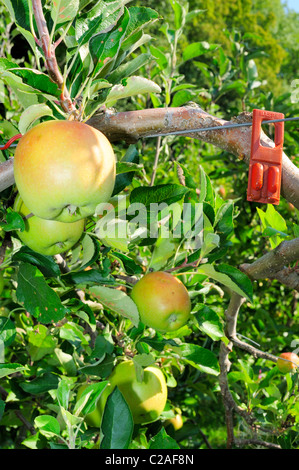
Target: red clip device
264, 178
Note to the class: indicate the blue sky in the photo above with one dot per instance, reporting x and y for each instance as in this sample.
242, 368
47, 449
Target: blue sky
294, 4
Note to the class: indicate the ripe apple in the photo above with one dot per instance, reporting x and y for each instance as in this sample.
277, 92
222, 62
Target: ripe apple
64, 169
146, 399
47, 237
284, 364
162, 300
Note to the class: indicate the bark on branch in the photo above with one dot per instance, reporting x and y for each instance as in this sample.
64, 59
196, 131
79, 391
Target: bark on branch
133, 125
275, 265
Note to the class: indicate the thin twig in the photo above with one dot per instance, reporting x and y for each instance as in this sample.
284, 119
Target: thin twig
156, 161
50, 58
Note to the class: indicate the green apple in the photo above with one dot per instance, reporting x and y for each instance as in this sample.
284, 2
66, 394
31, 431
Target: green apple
146, 399
287, 362
64, 169
162, 300
47, 237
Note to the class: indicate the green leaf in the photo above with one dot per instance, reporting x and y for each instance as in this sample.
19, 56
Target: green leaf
117, 301
63, 393
14, 221
31, 114
200, 358
89, 398
196, 49
37, 80
129, 68
117, 424
209, 322
129, 264
104, 47
2, 408
67, 362
230, 277
223, 224
124, 179
19, 11
130, 87
167, 193
40, 342
45, 264
271, 219
139, 17
36, 296
64, 10
47, 425
163, 441
7, 331
7, 369
41, 384
181, 97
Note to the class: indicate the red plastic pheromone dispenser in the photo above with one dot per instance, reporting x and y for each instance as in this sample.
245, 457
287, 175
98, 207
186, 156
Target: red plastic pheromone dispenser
264, 178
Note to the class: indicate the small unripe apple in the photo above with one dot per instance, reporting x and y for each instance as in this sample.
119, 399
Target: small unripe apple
287, 362
162, 300
47, 237
64, 169
146, 399
176, 422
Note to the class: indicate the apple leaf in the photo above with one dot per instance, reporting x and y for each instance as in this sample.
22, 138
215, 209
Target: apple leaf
45, 264
230, 277
117, 301
41, 384
64, 10
117, 423
7, 369
209, 322
199, 357
48, 425
40, 342
163, 441
14, 221
197, 48
37, 80
130, 87
88, 400
7, 331
167, 193
31, 114
36, 296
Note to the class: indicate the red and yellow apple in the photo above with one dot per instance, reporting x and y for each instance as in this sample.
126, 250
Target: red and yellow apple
47, 237
64, 169
162, 300
146, 399
287, 362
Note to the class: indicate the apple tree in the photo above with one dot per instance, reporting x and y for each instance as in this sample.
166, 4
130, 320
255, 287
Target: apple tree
75, 302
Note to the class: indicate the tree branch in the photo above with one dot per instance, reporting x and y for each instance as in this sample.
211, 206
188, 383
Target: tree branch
133, 125
275, 264
50, 58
